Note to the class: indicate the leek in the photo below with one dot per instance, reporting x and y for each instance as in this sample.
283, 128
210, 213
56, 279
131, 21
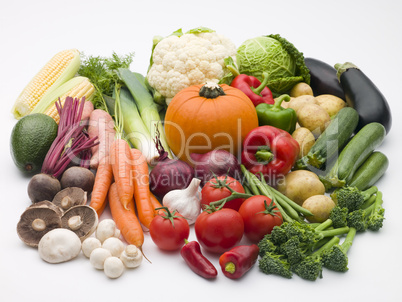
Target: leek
133, 126
146, 106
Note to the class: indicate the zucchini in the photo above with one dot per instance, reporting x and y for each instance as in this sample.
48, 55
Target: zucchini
331, 141
364, 96
323, 79
370, 171
359, 148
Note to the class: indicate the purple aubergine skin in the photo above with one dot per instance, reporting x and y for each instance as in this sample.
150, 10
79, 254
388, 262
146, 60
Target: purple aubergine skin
323, 79
364, 96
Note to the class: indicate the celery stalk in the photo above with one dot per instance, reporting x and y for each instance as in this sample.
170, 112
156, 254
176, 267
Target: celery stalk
146, 106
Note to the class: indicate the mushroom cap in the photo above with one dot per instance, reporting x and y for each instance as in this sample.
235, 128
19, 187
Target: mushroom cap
81, 219
59, 245
70, 197
36, 221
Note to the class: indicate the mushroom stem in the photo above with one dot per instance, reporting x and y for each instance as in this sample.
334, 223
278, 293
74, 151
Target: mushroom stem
39, 225
75, 222
66, 202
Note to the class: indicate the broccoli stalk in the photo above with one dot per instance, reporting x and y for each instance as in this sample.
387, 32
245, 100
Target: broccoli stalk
336, 258
351, 197
310, 268
376, 218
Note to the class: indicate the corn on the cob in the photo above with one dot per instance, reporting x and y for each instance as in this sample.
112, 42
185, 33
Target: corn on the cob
77, 87
61, 68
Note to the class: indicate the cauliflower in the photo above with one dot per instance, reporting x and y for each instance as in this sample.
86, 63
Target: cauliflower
191, 59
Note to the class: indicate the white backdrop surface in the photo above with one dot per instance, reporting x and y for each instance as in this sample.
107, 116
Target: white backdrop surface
367, 33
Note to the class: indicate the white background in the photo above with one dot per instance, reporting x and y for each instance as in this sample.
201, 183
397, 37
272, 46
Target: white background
367, 33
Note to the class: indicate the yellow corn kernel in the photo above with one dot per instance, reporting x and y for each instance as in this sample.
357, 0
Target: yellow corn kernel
61, 68
77, 87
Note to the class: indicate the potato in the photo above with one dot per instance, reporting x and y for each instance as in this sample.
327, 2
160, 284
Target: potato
314, 118
301, 101
300, 185
331, 103
301, 89
305, 139
320, 206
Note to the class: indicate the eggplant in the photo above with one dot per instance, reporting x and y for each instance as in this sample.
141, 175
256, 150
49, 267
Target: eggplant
364, 96
323, 79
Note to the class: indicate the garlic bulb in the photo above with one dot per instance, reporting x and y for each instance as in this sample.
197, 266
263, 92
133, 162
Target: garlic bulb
186, 201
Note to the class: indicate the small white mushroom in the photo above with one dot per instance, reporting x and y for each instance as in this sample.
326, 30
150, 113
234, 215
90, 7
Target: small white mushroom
114, 245
106, 229
98, 257
89, 244
131, 256
59, 245
113, 267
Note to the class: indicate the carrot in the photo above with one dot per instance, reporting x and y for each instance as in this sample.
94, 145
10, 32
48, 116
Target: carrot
125, 218
155, 204
103, 180
86, 112
142, 194
121, 161
101, 125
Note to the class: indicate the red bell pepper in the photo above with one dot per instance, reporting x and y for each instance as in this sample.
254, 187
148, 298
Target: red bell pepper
239, 260
199, 264
269, 150
256, 91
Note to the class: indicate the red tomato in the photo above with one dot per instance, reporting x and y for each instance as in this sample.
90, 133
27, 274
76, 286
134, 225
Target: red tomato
169, 235
259, 216
219, 231
214, 190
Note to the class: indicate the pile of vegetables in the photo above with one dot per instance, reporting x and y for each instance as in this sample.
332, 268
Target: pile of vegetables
265, 165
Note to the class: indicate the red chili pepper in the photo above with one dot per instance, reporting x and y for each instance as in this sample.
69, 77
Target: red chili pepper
269, 150
256, 91
239, 260
191, 253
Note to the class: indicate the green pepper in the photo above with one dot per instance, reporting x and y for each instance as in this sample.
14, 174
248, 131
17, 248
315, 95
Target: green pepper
277, 116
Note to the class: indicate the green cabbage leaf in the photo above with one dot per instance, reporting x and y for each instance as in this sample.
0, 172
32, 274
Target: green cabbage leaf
276, 56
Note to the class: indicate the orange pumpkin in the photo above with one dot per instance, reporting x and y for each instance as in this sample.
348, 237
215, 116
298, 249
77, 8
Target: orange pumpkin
202, 118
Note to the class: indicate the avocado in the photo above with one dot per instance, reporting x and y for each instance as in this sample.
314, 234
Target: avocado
30, 141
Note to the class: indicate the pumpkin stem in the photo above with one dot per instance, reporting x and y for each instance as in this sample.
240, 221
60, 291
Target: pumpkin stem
211, 90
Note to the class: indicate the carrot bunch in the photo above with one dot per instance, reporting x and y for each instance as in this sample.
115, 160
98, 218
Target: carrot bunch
122, 180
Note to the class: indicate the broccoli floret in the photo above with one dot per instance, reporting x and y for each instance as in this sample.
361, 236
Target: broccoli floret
339, 216
371, 217
376, 218
357, 219
310, 268
275, 264
351, 197
336, 258
278, 234
266, 245
293, 250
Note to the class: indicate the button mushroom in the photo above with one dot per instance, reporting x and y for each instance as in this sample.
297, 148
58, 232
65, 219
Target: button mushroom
131, 256
89, 244
81, 219
37, 220
106, 229
113, 267
98, 257
59, 245
78, 177
69, 197
114, 245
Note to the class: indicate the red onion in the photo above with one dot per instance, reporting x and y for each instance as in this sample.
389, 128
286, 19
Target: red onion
218, 162
169, 174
